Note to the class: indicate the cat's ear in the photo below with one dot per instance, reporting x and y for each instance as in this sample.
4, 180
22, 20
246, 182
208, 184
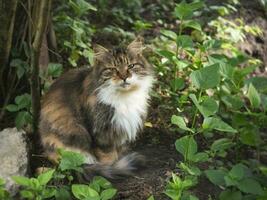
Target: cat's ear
100, 53
137, 46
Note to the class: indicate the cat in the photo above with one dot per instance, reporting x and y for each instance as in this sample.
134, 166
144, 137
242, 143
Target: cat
97, 111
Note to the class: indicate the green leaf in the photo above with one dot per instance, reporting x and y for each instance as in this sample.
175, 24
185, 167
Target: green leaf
192, 24
217, 124
45, 177
82, 192
251, 186
80, 7
184, 41
54, 69
2, 182
151, 198
21, 180
237, 172
200, 157
192, 170
27, 194
63, 194
166, 54
187, 146
102, 182
221, 144
260, 83
179, 121
226, 69
233, 102
207, 108
207, 77
183, 11
250, 135
70, 160
12, 108
108, 194
23, 101
216, 176
169, 34
177, 84
230, 195
253, 96
22, 119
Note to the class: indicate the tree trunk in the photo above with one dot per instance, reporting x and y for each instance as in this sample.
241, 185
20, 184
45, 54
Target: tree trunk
41, 15
7, 18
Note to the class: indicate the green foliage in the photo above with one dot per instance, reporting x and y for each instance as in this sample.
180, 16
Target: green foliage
59, 184
22, 108
218, 103
74, 31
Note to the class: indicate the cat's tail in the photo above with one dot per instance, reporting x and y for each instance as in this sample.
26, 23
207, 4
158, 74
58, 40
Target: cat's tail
126, 166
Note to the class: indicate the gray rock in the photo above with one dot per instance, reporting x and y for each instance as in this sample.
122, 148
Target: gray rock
13, 156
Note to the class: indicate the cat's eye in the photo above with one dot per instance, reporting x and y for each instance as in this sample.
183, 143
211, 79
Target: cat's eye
131, 66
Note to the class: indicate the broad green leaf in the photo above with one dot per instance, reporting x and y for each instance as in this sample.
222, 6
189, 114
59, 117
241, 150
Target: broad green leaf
54, 69
216, 176
200, 157
184, 41
192, 170
179, 121
192, 24
170, 34
253, 96
177, 84
221, 144
226, 69
207, 108
233, 102
237, 172
207, 77
251, 186
12, 108
63, 194
23, 101
183, 11
81, 191
230, 195
45, 177
151, 198
250, 135
260, 83
27, 194
217, 124
21, 180
108, 194
166, 54
102, 182
2, 182
70, 160
187, 146
22, 119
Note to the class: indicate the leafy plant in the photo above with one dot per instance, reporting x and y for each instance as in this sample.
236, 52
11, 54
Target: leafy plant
208, 81
22, 108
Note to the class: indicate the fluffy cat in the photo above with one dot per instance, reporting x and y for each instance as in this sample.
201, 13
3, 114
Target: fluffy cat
96, 111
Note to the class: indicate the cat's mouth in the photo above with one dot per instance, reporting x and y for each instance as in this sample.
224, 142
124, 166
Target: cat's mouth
125, 85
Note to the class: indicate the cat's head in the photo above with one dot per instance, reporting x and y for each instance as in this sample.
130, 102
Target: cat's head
122, 69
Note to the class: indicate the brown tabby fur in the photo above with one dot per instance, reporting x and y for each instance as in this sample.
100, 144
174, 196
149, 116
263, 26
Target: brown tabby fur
74, 119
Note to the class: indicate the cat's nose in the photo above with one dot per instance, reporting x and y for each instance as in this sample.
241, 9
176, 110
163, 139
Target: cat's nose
123, 76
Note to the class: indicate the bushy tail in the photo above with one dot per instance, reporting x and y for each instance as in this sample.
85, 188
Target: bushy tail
125, 166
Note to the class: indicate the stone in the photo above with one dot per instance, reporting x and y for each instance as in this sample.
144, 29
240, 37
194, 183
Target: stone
13, 157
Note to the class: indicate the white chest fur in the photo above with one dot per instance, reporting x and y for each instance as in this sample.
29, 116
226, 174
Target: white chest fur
129, 107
